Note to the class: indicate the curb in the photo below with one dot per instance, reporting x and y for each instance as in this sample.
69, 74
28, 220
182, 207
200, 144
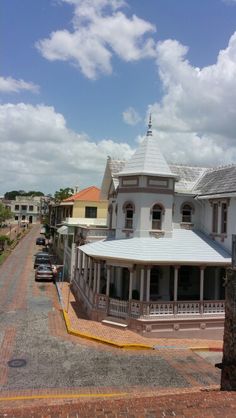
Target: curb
216, 349
76, 333
102, 340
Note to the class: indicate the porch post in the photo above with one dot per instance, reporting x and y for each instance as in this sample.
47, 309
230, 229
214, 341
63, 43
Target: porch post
85, 268
176, 283
98, 277
216, 283
80, 267
95, 277
148, 284
131, 273
108, 280
202, 270
90, 271
141, 284
176, 274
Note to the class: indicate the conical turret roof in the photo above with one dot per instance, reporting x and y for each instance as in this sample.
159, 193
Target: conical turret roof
148, 159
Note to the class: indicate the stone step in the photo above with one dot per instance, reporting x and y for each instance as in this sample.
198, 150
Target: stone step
115, 322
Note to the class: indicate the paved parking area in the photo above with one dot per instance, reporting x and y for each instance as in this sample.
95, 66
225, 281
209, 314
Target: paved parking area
56, 367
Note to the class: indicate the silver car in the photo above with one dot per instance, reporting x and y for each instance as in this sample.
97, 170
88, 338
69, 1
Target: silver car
44, 272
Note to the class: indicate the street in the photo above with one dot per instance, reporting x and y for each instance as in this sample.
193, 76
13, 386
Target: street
38, 355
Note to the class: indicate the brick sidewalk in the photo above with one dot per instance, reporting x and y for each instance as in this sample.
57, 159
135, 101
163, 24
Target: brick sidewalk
210, 404
80, 323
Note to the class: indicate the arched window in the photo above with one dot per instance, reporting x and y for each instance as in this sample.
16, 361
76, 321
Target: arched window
110, 211
157, 213
187, 211
129, 212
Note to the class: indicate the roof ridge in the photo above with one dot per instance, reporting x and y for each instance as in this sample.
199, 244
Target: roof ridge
80, 193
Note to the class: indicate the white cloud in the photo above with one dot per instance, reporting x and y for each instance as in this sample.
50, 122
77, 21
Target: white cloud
38, 151
11, 85
100, 31
131, 117
229, 1
196, 117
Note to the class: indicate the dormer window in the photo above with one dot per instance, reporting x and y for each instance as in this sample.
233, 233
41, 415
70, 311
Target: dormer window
187, 210
128, 209
187, 213
224, 218
157, 212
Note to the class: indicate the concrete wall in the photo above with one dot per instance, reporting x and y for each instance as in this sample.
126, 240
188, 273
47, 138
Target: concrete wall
79, 208
142, 218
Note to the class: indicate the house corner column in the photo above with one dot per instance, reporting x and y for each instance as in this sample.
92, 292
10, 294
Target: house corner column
98, 276
202, 271
108, 280
131, 274
141, 284
90, 271
148, 284
95, 278
176, 276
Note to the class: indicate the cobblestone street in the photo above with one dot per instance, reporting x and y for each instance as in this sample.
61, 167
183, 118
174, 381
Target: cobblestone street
41, 365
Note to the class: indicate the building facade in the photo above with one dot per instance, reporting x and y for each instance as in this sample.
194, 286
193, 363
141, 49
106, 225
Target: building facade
164, 269
26, 209
77, 219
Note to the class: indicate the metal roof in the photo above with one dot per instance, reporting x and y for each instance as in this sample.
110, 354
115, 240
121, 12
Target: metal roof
217, 180
188, 176
184, 247
147, 159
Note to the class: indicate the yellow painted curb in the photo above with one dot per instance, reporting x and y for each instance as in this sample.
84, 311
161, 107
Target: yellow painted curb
199, 348
102, 340
62, 396
213, 349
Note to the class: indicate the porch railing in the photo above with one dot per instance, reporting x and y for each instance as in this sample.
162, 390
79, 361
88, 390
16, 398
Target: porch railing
136, 309
118, 308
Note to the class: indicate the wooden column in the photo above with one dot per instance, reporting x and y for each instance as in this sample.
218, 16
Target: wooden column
202, 270
141, 284
108, 280
98, 277
80, 267
176, 274
95, 277
90, 271
148, 284
85, 268
176, 283
131, 273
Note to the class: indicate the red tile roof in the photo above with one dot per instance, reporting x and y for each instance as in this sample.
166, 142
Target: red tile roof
91, 194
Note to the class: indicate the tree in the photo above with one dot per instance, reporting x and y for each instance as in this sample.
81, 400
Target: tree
5, 213
34, 193
12, 195
63, 194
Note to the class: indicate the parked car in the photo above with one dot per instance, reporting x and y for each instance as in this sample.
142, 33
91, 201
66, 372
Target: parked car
40, 241
42, 258
44, 272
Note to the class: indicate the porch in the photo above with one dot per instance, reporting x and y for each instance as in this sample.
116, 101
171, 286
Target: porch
151, 298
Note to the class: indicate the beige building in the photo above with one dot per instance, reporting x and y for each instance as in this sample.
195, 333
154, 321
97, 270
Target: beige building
71, 220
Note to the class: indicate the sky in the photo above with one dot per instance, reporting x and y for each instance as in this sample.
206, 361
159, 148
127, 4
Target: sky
79, 78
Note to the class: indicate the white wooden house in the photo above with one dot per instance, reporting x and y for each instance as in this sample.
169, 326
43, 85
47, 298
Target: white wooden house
172, 226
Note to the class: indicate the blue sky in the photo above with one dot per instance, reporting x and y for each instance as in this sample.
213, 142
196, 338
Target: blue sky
79, 78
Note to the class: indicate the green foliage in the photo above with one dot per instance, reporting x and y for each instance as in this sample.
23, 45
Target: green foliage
63, 194
4, 238
12, 195
5, 213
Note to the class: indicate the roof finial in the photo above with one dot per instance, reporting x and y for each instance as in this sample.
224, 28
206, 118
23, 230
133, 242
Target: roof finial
149, 131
